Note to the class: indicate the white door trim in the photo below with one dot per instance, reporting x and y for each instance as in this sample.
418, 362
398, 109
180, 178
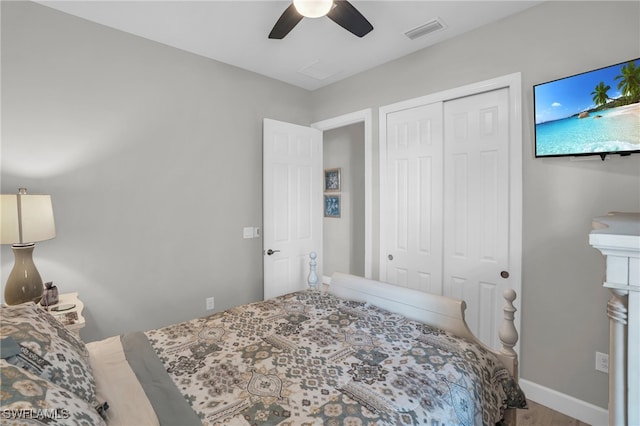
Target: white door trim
514, 83
362, 116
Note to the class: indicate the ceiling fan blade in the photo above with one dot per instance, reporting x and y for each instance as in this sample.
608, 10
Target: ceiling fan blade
289, 19
348, 17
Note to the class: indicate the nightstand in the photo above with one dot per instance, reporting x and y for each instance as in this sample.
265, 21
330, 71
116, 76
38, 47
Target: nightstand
72, 318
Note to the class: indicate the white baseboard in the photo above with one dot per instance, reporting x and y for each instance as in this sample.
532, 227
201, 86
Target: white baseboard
565, 404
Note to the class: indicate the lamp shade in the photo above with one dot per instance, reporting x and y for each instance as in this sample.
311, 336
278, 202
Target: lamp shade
26, 218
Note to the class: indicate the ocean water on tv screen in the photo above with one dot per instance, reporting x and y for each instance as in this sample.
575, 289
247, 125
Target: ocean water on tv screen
606, 131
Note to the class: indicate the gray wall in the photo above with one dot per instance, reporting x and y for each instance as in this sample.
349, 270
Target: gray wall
153, 158
343, 238
563, 316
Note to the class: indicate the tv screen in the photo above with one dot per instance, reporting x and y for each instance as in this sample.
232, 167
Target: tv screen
592, 113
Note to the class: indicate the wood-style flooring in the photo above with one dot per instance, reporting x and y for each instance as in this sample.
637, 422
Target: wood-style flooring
539, 415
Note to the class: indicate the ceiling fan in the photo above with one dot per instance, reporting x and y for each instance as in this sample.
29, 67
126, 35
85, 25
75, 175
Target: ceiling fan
341, 12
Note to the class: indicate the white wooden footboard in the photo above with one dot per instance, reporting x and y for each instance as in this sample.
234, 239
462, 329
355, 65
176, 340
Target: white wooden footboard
439, 311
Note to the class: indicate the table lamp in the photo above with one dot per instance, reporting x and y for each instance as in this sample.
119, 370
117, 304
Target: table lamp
24, 220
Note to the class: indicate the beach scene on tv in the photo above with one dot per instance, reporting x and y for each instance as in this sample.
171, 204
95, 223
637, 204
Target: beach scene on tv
590, 113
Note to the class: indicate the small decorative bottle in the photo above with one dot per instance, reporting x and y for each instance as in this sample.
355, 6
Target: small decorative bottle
50, 294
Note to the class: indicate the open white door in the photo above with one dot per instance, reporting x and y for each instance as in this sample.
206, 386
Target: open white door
292, 205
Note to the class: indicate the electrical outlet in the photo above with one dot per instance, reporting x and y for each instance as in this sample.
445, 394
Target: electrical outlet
602, 362
210, 303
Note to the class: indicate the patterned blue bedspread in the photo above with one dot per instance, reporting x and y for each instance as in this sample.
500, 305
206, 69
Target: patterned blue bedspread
309, 358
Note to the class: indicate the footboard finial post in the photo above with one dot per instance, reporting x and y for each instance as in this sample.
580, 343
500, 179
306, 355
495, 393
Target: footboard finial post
508, 333
313, 276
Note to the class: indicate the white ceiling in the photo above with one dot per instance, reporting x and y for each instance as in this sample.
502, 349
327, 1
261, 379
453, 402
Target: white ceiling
235, 32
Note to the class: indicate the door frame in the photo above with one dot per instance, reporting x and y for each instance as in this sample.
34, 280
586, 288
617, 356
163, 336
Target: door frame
362, 116
514, 83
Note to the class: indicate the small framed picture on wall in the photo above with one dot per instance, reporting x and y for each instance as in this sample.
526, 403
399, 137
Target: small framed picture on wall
332, 180
332, 206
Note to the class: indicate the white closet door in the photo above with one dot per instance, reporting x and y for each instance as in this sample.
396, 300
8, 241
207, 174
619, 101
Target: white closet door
476, 207
450, 216
411, 237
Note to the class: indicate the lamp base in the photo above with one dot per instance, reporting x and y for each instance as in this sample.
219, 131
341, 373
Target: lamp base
24, 283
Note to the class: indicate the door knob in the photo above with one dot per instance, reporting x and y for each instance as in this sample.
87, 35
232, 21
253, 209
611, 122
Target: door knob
390, 257
270, 252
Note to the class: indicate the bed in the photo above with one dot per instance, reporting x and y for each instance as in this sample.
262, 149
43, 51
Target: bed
358, 353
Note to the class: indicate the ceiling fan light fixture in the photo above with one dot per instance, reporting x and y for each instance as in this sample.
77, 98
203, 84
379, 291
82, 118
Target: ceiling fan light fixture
313, 8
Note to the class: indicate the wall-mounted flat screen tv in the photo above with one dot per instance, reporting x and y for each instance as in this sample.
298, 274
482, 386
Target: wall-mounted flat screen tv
592, 113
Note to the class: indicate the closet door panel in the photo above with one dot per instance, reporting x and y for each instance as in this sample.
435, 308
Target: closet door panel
476, 207
412, 199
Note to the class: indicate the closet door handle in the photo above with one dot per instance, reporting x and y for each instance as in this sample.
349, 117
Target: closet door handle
270, 252
390, 257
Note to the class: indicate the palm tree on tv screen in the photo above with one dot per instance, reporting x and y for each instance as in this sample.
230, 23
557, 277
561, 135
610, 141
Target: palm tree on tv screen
600, 96
629, 84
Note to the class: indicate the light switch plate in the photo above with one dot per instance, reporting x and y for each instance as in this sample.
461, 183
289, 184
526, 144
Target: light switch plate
247, 232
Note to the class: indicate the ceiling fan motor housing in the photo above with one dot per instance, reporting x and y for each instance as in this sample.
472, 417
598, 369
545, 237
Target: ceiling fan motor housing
313, 8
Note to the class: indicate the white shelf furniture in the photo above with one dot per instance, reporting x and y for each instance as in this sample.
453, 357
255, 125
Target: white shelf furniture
71, 318
617, 236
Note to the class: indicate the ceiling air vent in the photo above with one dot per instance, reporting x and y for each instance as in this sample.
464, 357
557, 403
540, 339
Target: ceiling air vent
424, 29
